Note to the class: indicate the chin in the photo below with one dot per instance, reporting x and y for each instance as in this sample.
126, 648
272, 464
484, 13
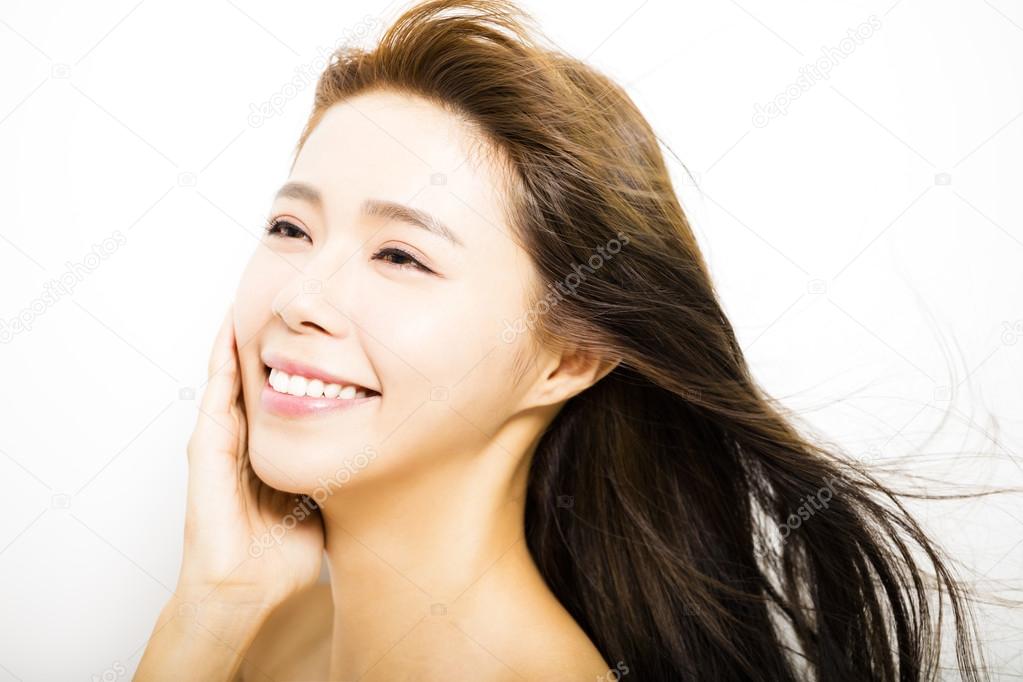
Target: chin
276, 474
283, 466
280, 464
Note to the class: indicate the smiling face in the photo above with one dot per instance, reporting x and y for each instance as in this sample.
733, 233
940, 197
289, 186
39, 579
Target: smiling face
412, 304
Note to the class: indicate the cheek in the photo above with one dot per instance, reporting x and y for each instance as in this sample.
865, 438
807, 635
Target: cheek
259, 284
452, 354
441, 341
256, 290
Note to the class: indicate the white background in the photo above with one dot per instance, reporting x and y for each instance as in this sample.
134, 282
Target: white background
867, 245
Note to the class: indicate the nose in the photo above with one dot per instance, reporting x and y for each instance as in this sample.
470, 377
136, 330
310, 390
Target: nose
310, 300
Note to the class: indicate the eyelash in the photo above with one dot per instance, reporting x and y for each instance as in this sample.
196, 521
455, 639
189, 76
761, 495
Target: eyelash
277, 228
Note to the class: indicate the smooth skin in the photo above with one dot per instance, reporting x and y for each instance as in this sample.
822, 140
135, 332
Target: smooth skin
430, 576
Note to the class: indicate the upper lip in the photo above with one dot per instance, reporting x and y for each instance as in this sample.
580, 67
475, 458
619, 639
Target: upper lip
284, 364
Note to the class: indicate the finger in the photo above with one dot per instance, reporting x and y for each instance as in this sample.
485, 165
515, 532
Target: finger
223, 345
216, 426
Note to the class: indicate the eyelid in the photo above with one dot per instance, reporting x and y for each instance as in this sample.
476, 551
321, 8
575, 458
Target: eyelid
286, 219
411, 250
414, 264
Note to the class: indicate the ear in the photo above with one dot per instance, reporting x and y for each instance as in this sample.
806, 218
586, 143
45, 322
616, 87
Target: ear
570, 372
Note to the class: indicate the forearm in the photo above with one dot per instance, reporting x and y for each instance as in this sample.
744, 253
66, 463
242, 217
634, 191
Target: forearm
200, 640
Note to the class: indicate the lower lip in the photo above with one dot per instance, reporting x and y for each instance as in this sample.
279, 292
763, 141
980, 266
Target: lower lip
287, 405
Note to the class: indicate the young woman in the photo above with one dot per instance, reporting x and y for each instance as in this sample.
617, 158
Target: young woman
479, 360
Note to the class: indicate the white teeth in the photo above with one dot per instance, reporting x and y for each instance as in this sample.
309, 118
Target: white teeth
314, 389
297, 385
279, 381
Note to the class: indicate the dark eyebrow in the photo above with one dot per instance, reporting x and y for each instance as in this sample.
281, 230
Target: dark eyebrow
302, 192
375, 207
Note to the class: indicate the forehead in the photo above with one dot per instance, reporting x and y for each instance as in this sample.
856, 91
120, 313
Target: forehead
384, 128
403, 148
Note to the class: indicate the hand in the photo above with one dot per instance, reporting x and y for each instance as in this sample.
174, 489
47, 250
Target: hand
236, 538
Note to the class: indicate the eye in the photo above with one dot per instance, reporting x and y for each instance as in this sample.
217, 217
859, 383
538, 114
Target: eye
405, 260
283, 228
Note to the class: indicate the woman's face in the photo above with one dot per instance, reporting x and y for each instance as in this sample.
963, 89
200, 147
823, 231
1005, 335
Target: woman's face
433, 342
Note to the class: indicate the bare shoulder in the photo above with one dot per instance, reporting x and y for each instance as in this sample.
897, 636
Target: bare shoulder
528, 635
294, 642
521, 623
558, 650
506, 632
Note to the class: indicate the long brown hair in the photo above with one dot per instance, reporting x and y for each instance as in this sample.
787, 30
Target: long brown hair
673, 507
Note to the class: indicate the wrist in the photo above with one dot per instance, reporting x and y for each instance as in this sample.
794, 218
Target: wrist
207, 633
230, 617
227, 593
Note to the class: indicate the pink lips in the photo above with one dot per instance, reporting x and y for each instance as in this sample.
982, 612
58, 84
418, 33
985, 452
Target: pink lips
287, 405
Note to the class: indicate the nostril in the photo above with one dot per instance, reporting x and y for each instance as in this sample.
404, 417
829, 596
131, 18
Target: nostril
314, 326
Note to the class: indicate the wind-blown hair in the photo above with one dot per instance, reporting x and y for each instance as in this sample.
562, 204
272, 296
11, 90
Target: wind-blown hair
659, 500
